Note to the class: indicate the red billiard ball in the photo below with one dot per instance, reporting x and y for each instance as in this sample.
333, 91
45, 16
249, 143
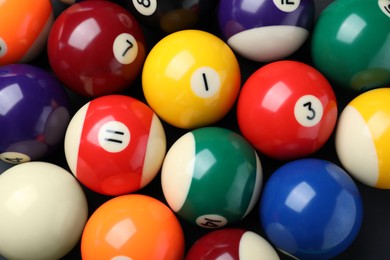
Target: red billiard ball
24, 29
96, 48
115, 144
287, 109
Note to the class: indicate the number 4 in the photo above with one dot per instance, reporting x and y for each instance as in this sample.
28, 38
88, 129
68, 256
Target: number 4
387, 8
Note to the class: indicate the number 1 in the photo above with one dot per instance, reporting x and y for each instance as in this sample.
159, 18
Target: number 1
205, 81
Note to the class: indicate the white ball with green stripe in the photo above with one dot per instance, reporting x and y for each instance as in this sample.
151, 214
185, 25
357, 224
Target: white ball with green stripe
211, 176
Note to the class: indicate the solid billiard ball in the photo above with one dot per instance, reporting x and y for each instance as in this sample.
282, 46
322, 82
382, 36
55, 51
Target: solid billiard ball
96, 48
34, 113
350, 44
362, 137
267, 30
24, 29
115, 144
287, 109
191, 78
132, 226
43, 211
233, 244
311, 209
168, 16
211, 176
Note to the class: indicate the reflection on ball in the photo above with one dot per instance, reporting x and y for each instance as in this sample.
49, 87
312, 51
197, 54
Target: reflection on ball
191, 79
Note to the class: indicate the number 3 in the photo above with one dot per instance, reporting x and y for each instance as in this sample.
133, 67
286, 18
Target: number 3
311, 110
308, 110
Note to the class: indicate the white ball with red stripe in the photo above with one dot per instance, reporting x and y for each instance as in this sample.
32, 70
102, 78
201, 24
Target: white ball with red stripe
115, 144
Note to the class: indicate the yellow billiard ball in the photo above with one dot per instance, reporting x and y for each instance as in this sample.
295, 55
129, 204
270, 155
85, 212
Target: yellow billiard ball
191, 78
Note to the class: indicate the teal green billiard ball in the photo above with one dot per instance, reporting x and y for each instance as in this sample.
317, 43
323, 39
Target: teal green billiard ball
211, 176
351, 43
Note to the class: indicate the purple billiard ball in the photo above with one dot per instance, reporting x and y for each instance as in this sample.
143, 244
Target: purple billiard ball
34, 113
266, 30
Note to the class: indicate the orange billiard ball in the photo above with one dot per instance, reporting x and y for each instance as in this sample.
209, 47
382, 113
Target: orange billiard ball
133, 226
24, 29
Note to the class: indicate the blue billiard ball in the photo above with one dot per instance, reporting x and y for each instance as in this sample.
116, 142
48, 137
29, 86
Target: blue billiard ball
311, 209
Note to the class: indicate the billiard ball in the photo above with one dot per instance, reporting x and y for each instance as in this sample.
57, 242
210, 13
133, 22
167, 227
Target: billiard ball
362, 136
311, 209
132, 226
286, 110
191, 78
267, 30
43, 211
22, 40
233, 244
96, 48
350, 44
211, 176
34, 113
168, 16
115, 144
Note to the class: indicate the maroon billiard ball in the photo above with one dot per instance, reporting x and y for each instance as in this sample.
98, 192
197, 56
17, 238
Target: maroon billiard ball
96, 48
231, 243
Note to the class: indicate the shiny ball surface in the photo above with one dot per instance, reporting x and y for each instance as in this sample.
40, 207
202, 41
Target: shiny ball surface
311, 209
132, 227
350, 44
115, 144
211, 176
287, 109
96, 48
362, 138
191, 78
34, 113
231, 243
22, 40
266, 30
43, 211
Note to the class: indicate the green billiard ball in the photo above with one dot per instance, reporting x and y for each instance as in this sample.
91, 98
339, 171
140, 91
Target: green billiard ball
351, 42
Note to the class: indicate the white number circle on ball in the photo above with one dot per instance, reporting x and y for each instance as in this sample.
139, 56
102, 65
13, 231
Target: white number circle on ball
308, 110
